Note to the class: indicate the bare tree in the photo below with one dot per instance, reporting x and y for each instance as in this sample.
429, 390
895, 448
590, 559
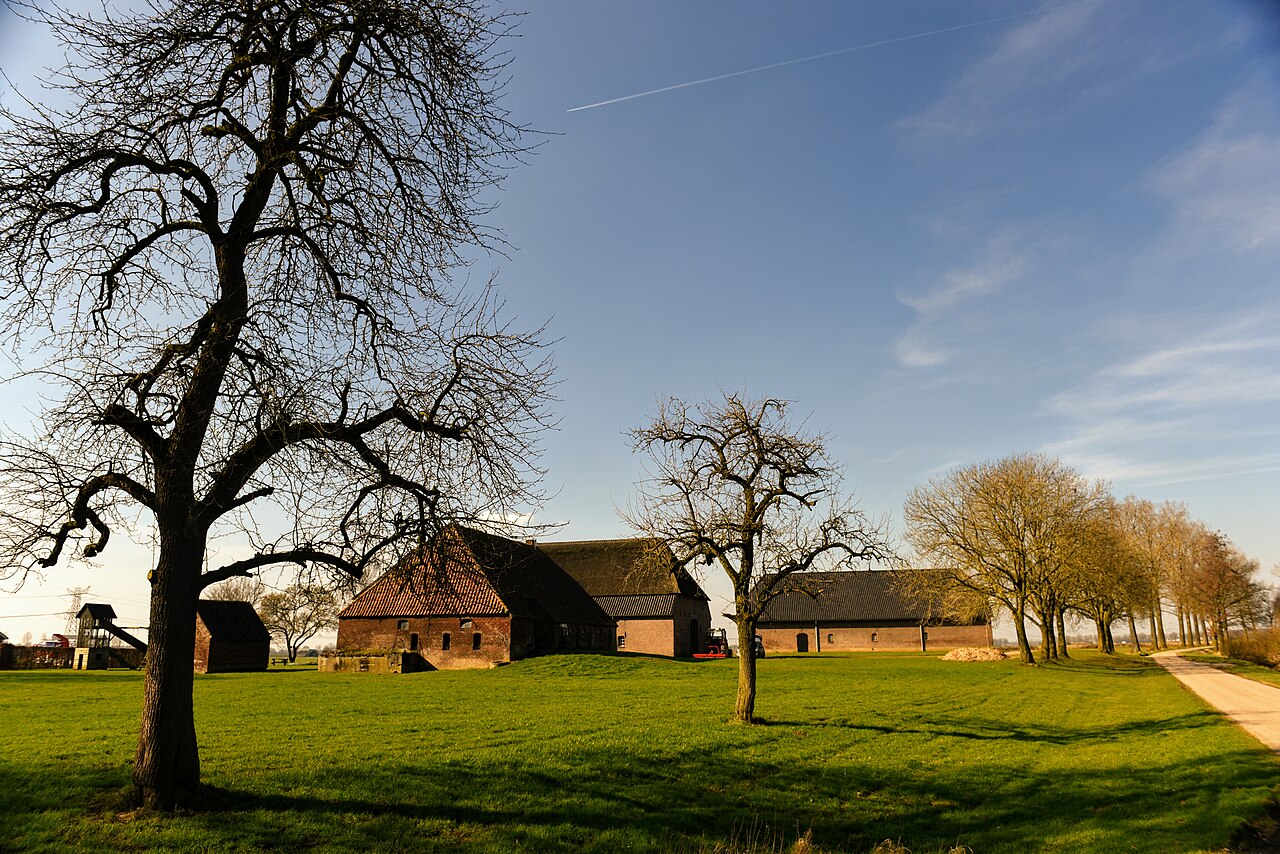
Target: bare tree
1006, 531
238, 589
736, 484
231, 249
298, 613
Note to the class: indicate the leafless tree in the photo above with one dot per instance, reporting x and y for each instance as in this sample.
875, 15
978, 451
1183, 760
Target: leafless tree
227, 235
298, 613
734, 483
241, 588
1007, 531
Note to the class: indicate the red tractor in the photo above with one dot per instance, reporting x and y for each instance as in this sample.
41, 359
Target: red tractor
717, 646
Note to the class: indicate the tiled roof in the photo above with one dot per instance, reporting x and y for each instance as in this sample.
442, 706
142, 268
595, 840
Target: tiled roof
465, 572
236, 622
866, 595
631, 567
623, 607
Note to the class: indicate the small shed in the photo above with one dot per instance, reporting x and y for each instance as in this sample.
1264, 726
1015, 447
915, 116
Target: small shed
230, 637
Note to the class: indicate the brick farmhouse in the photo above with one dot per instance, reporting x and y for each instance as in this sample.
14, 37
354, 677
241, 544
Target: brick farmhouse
861, 610
230, 637
659, 607
468, 599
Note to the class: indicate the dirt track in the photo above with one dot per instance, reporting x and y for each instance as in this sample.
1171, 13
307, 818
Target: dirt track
1252, 705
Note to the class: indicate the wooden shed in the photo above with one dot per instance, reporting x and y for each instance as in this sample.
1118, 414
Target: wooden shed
230, 637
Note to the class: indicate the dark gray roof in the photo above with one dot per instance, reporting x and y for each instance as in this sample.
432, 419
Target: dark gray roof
624, 607
640, 566
862, 596
98, 611
234, 622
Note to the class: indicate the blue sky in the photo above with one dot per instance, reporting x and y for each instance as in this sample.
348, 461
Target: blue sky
1055, 231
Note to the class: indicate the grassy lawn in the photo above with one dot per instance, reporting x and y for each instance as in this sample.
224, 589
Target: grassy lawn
615, 753
1238, 666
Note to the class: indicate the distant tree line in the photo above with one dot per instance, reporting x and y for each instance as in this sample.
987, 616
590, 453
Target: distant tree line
1031, 537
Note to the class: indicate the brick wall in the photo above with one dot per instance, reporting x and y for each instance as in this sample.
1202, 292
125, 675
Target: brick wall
866, 638
652, 636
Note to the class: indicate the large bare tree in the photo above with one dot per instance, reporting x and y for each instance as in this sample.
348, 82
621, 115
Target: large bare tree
735, 483
226, 234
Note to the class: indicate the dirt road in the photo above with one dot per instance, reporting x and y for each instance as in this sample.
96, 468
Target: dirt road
1252, 705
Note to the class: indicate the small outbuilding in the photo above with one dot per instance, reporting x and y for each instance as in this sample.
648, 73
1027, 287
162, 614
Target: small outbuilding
94, 636
659, 608
858, 610
230, 638
469, 599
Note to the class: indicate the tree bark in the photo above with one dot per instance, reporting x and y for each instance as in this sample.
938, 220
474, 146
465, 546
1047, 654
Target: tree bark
166, 767
1159, 637
745, 709
1182, 626
1020, 628
1102, 634
1061, 619
1133, 634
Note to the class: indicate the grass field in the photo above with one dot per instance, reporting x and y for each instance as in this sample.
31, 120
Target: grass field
615, 753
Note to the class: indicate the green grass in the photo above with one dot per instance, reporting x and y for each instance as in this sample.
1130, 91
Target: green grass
1238, 666
616, 753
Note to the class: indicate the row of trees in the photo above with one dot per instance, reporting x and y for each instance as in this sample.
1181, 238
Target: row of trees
1031, 537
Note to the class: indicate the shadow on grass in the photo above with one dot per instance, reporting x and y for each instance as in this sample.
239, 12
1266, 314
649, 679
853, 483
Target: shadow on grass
674, 803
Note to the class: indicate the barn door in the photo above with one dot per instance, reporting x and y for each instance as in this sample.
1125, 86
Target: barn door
802, 642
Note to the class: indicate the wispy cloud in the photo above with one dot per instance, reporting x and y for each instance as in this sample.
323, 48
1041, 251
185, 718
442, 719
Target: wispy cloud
1150, 417
931, 338
1224, 189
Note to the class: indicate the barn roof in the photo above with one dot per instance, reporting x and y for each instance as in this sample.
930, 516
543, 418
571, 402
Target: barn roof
864, 595
465, 572
631, 567
230, 621
97, 610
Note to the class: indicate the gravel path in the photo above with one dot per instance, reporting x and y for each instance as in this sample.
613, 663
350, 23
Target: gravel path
1252, 705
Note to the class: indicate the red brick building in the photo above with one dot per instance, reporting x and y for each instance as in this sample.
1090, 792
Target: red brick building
469, 599
828, 611
230, 637
659, 607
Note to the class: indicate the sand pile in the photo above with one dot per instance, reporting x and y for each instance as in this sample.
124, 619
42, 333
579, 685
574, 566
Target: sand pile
975, 654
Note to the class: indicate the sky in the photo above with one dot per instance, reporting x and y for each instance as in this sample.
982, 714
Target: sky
948, 231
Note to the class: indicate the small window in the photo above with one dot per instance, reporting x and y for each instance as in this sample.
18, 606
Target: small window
831, 638
622, 641
464, 623
873, 637
444, 641
403, 625
475, 641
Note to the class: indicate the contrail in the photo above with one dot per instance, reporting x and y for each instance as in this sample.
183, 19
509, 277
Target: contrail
758, 68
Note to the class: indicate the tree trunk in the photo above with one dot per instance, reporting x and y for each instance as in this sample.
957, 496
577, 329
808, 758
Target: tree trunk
745, 709
1102, 634
1133, 633
1020, 628
1062, 633
166, 768
1182, 627
1111, 639
1159, 637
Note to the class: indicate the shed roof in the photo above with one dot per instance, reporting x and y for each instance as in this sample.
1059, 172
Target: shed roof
232, 622
97, 610
639, 566
632, 607
850, 596
465, 572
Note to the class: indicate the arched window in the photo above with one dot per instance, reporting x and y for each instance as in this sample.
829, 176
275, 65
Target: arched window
444, 641
873, 637
475, 640
831, 638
